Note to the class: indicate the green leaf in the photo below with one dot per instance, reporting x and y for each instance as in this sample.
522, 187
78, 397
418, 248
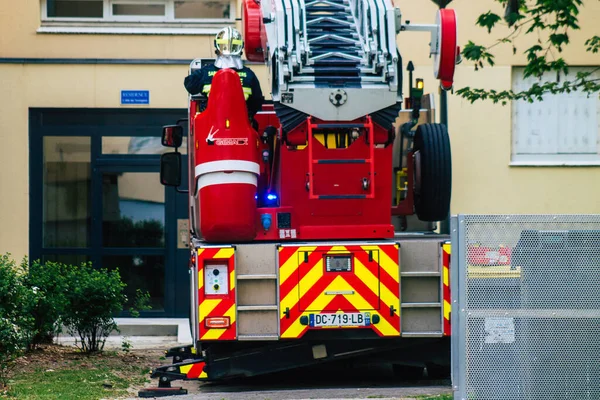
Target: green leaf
488, 20
593, 44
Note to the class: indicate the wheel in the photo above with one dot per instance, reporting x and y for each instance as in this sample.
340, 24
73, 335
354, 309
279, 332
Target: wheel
433, 172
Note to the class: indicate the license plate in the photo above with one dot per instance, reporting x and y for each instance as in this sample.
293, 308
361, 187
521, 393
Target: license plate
346, 319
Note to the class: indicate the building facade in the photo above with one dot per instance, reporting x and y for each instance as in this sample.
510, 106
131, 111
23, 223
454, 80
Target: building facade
87, 84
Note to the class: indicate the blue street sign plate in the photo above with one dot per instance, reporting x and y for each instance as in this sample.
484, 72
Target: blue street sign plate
135, 97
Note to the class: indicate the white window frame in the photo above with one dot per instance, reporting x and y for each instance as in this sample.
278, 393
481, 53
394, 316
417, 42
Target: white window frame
110, 23
554, 158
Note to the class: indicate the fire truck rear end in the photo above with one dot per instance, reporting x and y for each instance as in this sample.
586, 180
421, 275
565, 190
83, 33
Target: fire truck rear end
313, 229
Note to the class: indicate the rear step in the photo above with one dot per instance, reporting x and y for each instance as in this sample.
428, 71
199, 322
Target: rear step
274, 357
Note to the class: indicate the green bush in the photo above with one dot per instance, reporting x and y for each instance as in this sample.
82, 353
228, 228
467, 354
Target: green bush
49, 281
36, 300
16, 302
93, 297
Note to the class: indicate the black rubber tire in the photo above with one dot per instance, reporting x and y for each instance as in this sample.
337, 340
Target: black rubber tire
432, 203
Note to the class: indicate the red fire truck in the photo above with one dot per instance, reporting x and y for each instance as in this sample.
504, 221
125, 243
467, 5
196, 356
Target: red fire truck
313, 237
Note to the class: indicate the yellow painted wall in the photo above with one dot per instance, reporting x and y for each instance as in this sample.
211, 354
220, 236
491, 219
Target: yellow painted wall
481, 133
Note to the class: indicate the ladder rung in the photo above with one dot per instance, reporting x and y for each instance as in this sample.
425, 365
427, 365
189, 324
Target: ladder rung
256, 277
258, 308
337, 78
421, 305
337, 126
341, 161
341, 10
341, 196
422, 334
254, 336
420, 274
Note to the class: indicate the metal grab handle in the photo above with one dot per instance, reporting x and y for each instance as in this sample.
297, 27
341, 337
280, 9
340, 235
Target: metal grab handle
336, 292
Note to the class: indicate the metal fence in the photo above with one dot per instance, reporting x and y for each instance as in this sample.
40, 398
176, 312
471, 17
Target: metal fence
526, 307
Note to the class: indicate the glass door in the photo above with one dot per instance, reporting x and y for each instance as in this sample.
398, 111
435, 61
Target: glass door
130, 230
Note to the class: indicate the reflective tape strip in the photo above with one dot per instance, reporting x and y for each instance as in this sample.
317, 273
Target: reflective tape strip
221, 178
227, 165
446, 255
224, 306
206, 88
305, 287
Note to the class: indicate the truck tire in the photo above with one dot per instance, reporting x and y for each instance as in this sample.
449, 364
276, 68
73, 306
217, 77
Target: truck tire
433, 172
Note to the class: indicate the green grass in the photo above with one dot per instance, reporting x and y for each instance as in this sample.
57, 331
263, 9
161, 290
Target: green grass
449, 396
75, 382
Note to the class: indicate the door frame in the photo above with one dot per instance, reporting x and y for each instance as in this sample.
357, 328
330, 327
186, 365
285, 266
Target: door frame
104, 122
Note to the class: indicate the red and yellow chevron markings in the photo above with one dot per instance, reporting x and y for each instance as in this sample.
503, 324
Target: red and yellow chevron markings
372, 286
446, 254
194, 371
217, 307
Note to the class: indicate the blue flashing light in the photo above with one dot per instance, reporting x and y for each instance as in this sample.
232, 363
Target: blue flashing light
271, 196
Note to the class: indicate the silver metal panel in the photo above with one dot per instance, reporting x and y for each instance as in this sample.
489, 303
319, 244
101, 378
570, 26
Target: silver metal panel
194, 317
256, 259
528, 329
183, 233
420, 255
420, 289
361, 101
257, 292
425, 320
257, 323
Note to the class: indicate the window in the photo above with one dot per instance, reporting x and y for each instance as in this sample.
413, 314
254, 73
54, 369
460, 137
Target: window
66, 192
563, 129
136, 14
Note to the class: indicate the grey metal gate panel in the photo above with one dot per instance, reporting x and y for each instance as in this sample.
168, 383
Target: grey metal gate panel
526, 307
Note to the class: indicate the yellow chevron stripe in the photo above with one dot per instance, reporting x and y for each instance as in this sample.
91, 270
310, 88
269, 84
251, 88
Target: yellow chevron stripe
384, 261
290, 266
232, 279
184, 369
292, 298
383, 325
207, 306
390, 266
447, 309
386, 296
336, 249
200, 279
446, 276
200, 251
213, 334
225, 253
316, 306
361, 304
366, 276
357, 302
311, 278
447, 248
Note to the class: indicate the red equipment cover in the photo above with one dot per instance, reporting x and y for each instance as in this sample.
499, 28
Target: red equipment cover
227, 163
445, 61
253, 27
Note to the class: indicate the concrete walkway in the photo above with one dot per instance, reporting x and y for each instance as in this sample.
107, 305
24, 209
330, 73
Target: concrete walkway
143, 333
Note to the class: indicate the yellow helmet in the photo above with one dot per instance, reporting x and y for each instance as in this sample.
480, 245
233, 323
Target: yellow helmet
229, 42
